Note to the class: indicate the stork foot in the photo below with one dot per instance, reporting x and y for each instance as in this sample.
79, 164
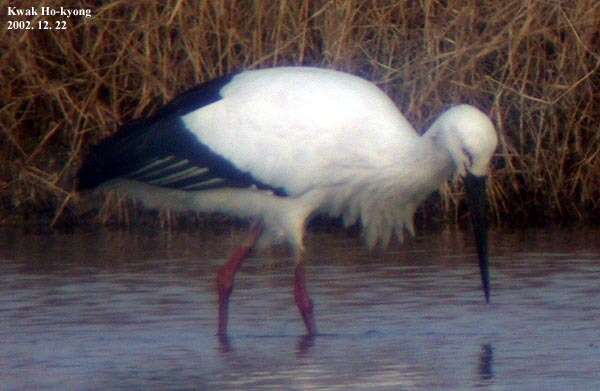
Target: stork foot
303, 301
226, 275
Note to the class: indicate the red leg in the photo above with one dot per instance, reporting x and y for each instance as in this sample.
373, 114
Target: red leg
226, 274
303, 301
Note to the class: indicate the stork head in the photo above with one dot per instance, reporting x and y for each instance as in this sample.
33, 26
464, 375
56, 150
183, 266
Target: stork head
470, 138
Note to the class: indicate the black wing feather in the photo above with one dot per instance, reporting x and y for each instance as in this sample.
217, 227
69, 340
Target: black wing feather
160, 148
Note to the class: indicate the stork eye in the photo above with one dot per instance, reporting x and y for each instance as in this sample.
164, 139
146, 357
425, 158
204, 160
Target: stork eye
469, 156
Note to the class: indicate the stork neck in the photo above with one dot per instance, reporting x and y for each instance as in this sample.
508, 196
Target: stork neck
435, 141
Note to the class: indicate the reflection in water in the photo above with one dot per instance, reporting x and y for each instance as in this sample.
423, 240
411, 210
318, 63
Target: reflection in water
486, 362
304, 343
116, 310
224, 343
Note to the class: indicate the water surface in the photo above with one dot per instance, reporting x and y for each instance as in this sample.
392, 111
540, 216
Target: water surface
122, 310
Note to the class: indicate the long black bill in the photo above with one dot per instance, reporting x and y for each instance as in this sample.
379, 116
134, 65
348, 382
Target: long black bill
477, 201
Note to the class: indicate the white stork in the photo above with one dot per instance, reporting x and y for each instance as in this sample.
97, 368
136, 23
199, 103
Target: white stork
277, 146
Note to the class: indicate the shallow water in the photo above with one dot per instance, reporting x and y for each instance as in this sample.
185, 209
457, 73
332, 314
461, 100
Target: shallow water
119, 310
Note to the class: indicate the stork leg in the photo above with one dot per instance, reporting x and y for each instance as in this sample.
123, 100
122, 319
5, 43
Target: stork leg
226, 275
303, 301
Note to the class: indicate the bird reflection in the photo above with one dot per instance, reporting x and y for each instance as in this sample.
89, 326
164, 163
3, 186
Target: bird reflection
224, 343
486, 362
304, 344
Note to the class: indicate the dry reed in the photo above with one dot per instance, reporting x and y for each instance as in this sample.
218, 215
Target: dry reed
532, 65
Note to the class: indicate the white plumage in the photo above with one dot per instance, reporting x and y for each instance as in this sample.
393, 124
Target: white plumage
315, 141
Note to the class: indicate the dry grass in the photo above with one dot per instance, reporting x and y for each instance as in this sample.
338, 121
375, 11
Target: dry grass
533, 65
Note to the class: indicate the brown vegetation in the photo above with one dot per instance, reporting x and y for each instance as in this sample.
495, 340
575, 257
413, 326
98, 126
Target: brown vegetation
533, 65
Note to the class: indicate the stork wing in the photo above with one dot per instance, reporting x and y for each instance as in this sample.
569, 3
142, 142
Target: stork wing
301, 128
283, 129
161, 151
